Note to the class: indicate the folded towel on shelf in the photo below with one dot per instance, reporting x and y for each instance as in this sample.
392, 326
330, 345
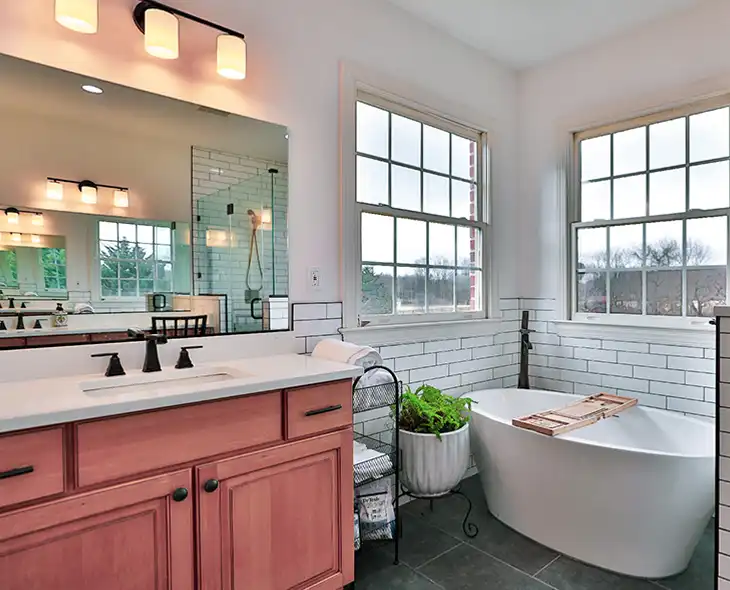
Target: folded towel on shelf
347, 352
365, 464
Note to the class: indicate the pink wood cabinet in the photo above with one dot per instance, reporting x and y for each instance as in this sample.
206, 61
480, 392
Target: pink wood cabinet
213, 496
133, 536
278, 519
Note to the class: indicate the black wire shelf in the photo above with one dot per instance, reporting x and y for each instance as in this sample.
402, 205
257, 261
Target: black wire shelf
373, 397
381, 534
377, 468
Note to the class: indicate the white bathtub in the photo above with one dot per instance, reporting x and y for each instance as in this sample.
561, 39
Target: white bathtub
631, 494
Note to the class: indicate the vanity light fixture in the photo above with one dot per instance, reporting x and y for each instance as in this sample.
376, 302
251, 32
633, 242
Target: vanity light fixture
121, 198
89, 192
12, 215
81, 16
38, 220
232, 57
162, 34
160, 25
54, 190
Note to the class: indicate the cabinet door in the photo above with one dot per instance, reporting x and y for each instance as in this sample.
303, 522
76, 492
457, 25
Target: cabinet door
279, 519
133, 536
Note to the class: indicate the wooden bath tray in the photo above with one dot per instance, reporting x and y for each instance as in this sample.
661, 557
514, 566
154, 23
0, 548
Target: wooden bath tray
578, 415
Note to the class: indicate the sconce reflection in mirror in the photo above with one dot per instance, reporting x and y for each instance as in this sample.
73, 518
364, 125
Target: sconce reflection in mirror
89, 191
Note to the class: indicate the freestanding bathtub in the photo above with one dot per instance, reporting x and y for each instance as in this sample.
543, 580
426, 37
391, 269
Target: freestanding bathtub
631, 494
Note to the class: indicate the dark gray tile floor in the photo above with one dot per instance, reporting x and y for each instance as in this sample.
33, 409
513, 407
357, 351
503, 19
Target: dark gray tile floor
437, 555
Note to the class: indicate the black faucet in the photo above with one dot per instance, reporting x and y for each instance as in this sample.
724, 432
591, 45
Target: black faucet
151, 358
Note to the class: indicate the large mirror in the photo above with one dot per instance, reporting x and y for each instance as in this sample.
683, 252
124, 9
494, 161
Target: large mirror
122, 209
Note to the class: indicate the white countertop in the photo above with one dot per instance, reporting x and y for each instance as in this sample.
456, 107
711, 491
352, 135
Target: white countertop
44, 402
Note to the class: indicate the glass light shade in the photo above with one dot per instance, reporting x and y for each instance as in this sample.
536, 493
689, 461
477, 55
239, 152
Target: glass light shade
231, 57
54, 190
12, 217
15, 237
38, 220
88, 195
81, 16
35, 239
161, 34
121, 199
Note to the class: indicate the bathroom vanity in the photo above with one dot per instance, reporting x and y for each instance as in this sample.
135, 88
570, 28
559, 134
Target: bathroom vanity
219, 479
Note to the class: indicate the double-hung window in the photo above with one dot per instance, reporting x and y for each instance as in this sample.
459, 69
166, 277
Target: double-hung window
53, 263
421, 215
135, 258
650, 226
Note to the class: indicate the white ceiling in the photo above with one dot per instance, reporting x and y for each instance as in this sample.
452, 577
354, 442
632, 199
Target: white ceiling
523, 33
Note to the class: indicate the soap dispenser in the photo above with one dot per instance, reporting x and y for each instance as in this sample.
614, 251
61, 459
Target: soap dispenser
60, 317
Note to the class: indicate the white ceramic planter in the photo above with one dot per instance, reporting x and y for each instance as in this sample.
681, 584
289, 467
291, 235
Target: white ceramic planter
433, 467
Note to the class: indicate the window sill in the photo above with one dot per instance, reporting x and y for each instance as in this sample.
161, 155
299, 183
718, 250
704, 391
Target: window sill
419, 332
702, 335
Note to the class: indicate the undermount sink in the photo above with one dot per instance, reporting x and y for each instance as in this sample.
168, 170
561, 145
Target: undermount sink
162, 382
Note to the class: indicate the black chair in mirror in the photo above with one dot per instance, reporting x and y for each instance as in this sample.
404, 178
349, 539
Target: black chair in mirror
180, 326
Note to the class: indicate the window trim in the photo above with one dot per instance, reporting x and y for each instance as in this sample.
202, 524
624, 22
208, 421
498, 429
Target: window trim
353, 284
154, 223
57, 276
573, 192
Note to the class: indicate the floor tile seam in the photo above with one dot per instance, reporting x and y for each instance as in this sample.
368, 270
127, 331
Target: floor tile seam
547, 565
425, 563
509, 565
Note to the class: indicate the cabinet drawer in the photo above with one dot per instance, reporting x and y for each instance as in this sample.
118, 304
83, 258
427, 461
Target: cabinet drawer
31, 466
318, 408
146, 442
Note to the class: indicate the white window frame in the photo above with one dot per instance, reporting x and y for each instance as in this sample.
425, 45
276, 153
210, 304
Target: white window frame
137, 222
574, 223
428, 117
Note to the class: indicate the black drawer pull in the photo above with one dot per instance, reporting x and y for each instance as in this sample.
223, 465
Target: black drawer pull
16, 472
324, 410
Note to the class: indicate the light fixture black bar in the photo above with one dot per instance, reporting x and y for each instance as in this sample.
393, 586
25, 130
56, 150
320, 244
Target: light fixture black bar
145, 5
66, 180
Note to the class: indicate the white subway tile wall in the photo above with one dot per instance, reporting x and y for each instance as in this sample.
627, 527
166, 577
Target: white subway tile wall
221, 178
677, 378
457, 366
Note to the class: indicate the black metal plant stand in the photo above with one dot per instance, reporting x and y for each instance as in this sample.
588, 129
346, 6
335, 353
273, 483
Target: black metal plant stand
470, 529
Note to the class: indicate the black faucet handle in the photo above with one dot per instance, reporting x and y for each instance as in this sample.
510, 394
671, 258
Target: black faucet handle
114, 369
159, 338
184, 361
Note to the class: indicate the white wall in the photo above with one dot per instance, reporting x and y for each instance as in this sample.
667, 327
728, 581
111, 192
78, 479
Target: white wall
673, 61
294, 52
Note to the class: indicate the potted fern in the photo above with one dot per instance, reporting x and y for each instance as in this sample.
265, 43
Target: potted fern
434, 440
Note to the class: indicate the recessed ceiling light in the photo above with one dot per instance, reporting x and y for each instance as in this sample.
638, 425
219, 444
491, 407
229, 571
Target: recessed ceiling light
91, 89
286, 136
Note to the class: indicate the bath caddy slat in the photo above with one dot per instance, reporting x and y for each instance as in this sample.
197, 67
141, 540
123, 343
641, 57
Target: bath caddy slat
578, 415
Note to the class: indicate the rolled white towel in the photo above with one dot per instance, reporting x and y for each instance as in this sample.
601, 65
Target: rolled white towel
347, 352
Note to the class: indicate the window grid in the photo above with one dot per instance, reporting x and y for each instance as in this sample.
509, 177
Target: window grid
157, 275
476, 226
53, 263
685, 266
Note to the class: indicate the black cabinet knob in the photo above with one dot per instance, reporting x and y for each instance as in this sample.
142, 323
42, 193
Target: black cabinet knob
211, 485
180, 494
